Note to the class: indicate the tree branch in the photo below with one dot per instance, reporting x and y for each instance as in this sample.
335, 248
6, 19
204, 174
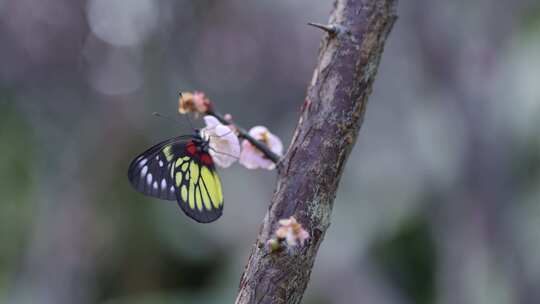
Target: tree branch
326, 132
242, 133
198, 103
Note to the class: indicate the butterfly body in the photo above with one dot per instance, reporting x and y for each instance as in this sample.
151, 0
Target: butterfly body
181, 169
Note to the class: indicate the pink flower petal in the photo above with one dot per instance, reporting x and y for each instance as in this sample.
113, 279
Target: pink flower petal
291, 231
251, 157
257, 131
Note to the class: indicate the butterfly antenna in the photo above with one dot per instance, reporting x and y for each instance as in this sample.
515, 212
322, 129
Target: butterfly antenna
190, 123
227, 154
220, 136
157, 114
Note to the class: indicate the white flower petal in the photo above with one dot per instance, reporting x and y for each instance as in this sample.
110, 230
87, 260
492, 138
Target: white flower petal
249, 156
252, 158
222, 130
222, 160
224, 144
211, 121
233, 143
291, 238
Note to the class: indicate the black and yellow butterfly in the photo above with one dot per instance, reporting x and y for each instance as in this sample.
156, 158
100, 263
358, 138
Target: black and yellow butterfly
181, 169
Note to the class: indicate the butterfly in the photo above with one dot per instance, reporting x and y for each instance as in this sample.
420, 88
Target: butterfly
181, 169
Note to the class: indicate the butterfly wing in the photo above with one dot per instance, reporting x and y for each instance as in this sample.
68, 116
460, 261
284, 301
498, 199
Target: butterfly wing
173, 170
149, 173
199, 192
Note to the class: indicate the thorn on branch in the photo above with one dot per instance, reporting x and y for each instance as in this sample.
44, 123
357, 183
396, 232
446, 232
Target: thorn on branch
331, 29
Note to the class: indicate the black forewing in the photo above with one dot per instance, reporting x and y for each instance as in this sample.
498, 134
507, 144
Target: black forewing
149, 172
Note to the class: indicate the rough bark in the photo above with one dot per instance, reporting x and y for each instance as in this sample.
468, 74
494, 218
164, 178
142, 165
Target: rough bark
309, 174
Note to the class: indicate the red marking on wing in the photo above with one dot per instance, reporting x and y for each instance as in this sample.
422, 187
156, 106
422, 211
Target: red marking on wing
206, 159
191, 148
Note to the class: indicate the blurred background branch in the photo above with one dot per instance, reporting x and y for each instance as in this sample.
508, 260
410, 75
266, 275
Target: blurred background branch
326, 132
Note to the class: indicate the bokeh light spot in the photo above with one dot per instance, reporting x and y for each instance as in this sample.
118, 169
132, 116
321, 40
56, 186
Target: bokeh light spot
122, 23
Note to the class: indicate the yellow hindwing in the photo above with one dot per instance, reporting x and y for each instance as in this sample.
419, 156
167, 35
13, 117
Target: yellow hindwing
213, 186
199, 186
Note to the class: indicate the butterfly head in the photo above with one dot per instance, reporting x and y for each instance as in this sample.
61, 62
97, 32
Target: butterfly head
202, 139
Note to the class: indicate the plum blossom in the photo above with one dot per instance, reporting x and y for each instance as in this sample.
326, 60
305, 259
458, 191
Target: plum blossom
291, 231
224, 144
195, 102
253, 158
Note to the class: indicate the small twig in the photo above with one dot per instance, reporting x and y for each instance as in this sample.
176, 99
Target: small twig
244, 134
331, 29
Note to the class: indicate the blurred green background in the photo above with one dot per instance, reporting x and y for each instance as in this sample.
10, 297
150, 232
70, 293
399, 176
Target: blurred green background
439, 202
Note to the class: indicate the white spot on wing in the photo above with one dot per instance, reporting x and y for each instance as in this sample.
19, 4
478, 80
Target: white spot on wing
155, 185
157, 157
143, 162
171, 189
144, 170
149, 178
160, 163
163, 184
